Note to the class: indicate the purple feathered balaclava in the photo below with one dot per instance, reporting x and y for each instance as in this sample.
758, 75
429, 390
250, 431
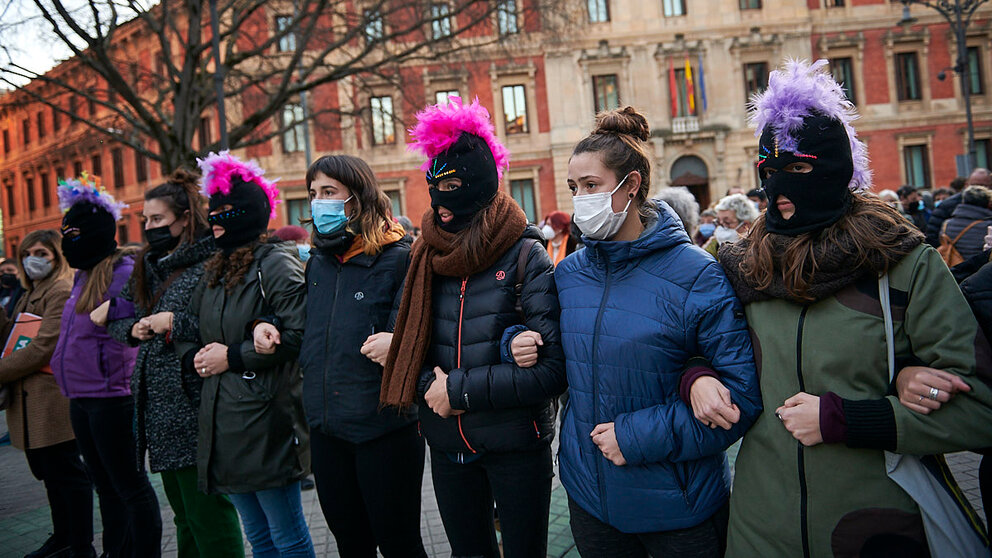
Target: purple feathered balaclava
807, 151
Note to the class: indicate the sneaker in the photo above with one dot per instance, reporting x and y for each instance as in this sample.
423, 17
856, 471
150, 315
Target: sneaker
306, 483
53, 548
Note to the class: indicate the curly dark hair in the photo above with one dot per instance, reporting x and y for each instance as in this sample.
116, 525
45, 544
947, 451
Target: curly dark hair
231, 268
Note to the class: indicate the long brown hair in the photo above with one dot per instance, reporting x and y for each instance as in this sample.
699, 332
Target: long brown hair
181, 194
51, 239
373, 210
870, 227
98, 281
231, 268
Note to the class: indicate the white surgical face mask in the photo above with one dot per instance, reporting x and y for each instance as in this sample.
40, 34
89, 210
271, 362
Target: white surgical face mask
37, 268
724, 235
548, 232
594, 214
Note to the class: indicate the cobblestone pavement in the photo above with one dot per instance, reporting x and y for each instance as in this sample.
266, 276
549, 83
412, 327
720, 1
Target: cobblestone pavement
25, 522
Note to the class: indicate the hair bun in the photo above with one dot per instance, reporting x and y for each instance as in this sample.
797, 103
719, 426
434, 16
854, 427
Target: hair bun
184, 176
623, 121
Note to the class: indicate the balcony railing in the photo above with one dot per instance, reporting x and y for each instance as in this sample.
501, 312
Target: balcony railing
685, 124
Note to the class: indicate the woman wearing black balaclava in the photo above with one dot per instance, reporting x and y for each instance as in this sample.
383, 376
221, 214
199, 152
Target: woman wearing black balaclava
489, 425
253, 442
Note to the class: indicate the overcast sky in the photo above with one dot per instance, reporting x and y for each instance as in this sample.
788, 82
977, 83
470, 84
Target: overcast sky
26, 39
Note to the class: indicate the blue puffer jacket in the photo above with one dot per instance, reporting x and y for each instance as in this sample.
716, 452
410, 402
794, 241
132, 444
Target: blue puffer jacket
632, 315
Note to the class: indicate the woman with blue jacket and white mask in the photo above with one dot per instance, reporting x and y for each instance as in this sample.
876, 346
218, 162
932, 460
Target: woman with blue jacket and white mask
638, 306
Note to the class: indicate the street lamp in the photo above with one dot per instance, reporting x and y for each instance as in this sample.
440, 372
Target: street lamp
958, 14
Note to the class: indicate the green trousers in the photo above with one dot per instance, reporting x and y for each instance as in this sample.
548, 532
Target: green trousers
206, 525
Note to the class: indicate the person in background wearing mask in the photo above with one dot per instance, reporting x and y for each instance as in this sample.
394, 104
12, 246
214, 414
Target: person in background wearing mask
758, 198
253, 442
891, 199
707, 226
368, 461
557, 230
735, 215
37, 412
94, 371
297, 234
151, 310
941, 194
489, 424
978, 177
10, 286
913, 207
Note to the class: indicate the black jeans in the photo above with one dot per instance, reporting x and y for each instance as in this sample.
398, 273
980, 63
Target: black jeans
370, 492
70, 493
132, 525
520, 482
596, 539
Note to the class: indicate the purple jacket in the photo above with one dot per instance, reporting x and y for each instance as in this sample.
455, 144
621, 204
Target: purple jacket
87, 362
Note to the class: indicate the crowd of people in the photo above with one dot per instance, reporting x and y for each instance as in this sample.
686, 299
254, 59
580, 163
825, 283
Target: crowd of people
819, 322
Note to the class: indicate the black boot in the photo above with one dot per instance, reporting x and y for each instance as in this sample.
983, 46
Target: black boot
53, 548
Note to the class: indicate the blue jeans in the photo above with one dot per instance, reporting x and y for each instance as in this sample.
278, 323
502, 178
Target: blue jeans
274, 523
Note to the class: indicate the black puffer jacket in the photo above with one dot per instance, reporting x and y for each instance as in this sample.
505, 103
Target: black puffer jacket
507, 408
977, 290
347, 302
940, 214
971, 242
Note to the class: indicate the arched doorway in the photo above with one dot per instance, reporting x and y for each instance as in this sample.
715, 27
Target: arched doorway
690, 171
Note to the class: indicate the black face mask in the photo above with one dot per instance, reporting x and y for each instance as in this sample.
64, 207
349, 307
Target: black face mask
470, 160
9, 281
247, 219
821, 196
160, 239
87, 235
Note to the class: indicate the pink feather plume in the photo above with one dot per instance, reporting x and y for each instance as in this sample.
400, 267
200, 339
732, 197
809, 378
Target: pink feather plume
219, 168
439, 126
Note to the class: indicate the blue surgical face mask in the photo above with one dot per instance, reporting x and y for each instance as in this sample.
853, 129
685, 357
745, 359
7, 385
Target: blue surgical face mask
937, 203
304, 250
706, 229
922, 205
328, 215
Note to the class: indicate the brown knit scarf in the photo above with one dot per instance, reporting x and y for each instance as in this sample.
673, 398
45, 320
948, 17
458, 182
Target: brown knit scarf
838, 264
443, 253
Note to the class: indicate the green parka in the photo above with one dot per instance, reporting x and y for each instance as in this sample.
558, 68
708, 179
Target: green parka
829, 499
253, 433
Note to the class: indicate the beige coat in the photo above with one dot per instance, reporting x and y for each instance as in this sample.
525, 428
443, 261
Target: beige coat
38, 413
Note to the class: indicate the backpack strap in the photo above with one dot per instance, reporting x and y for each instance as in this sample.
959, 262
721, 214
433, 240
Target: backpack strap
518, 288
964, 230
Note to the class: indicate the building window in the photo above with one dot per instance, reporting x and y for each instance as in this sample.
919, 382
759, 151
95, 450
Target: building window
673, 8
440, 21
46, 193
203, 132
90, 104
11, 207
287, 42
515, 109
834, 4
6, 141
292, 126
56, 120
843, 72
395, 202
29, 185
908, 77
96, 166
73, 106
383, 123
117, 162
606, 92
523, 192
506, 17
14, 244
750, 4
683, 91
599, 11
297, 210
59, 173
917, 165
442, 97
140, 166
77, 169
122, 236
40, 117
26, 130
976, 85
374, 27
755, 79
983, 153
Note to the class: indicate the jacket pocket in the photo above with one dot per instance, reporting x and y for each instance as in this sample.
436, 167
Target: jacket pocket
681, 473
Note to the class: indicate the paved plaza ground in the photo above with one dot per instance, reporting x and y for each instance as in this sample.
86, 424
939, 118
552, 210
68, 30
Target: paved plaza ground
25, 522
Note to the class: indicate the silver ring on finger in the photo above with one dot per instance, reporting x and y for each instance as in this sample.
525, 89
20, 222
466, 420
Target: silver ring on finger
203, 371
934, 392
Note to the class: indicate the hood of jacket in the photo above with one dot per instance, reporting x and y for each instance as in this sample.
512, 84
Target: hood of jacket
972, 212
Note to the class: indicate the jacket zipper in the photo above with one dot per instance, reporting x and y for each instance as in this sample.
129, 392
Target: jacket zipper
327, 342
803, 493
461, 314
595, 396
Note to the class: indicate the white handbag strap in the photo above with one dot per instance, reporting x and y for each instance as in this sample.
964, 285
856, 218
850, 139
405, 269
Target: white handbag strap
883, 298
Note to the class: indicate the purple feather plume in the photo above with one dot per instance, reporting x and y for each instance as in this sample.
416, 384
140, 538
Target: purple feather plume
78, 190
795, 92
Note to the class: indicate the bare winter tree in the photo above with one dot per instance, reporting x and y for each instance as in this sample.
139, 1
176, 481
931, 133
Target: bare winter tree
147, 73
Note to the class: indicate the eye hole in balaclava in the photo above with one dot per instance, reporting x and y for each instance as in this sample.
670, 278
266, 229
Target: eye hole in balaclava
821, 196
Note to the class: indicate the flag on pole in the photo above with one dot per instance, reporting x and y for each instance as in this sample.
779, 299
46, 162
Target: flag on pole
673, 89
689, 93
702, 80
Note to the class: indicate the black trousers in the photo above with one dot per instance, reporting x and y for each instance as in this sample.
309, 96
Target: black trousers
370, 492
132, 524
520, 483
595, 539
70, 494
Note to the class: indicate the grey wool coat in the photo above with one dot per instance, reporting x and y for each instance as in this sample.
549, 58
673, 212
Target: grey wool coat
166, 399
